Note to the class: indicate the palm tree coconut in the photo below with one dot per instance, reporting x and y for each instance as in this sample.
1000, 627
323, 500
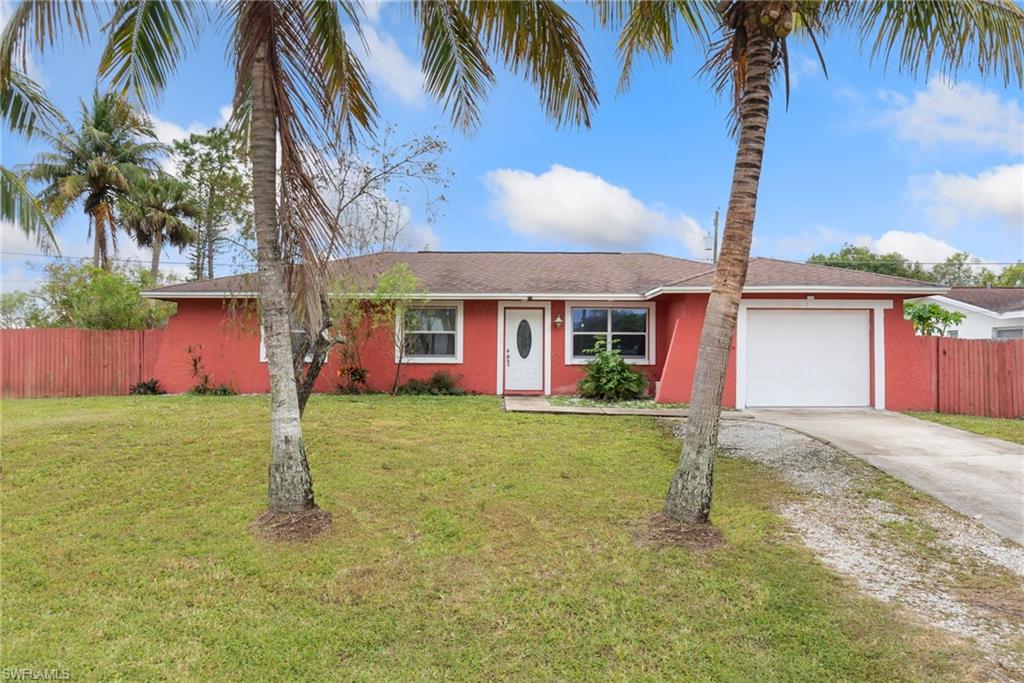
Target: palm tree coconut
750, 49
113, 147
298, 79
156, 212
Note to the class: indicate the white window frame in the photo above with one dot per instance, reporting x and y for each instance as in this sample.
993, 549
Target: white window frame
651, 356
263, 347
432, 360
997, 330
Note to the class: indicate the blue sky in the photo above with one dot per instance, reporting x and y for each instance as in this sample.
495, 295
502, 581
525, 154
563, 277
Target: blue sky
865, 156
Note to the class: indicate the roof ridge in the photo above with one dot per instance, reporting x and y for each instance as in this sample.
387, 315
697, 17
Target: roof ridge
822, 265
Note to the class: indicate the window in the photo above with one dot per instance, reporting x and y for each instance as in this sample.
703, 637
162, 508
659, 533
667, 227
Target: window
625, 328
1008, 333
298, 334
432, 334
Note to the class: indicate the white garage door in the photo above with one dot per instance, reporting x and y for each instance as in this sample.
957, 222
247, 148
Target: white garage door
808, 358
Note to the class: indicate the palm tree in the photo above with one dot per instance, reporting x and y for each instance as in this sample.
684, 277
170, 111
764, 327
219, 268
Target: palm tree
297, 79
114, 147
750, 50
155, 213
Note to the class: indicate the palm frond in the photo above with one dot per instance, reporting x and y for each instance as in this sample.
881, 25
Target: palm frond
19, 206
25, 108
653, 28
454, 60
344, 75
540, 40
39, 24
985, 34
147, 40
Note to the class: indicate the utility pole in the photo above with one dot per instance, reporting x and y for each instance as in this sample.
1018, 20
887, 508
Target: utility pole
714, 245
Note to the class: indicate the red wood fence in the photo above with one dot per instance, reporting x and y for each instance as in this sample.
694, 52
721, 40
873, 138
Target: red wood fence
72, 362
981, 377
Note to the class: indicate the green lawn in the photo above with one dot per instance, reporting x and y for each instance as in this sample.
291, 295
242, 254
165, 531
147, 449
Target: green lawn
469, 543
1000, 428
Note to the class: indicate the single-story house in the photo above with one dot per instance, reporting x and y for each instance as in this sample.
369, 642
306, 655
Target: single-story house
989, 312
520, 322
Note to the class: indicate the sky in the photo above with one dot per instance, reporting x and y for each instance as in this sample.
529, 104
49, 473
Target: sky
867, 156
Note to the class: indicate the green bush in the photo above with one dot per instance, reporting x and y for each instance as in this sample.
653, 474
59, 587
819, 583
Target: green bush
147, 387
609, 378
440, 383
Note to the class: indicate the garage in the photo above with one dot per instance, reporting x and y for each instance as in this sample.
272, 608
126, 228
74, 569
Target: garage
804, 357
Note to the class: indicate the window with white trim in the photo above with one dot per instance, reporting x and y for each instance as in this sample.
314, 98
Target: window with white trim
1008, 333
626, 328
298, 335
432, 334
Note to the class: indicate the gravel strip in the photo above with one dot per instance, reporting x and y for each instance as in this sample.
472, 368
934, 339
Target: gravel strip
857, 535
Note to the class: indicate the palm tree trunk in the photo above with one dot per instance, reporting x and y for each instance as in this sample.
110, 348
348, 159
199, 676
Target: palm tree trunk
95, 243
689, 495
291, 487
158, 245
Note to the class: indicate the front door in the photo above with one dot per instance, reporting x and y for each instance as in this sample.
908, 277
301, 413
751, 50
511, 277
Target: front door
524, 349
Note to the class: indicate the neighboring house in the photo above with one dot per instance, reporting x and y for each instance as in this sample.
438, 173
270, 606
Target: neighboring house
517, 322
989, 312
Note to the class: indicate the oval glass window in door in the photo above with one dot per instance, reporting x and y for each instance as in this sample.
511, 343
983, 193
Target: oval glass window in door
524, 338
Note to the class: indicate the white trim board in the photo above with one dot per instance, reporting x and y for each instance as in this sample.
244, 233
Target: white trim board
876, 306
500, 352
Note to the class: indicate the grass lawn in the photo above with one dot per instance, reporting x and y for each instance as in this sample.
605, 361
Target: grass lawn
469, 543
1001, 428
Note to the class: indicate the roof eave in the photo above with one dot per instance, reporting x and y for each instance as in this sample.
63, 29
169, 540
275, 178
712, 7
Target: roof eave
804, 289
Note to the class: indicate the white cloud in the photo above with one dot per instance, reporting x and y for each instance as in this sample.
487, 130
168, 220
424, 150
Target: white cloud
372, 9
169, 131
564, 204
961, 113
388, 65
995, 193
916, 246
419, 236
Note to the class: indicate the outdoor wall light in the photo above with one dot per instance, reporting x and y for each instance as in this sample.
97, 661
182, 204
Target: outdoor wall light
558, 321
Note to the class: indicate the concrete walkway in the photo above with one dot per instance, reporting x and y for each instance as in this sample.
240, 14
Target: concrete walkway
976, 475
539, 404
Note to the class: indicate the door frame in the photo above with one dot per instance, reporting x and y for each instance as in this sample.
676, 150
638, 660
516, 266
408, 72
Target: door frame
545, 308
876, 360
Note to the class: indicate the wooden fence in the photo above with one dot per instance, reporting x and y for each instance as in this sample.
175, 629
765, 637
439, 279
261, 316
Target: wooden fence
981, 377
72, 362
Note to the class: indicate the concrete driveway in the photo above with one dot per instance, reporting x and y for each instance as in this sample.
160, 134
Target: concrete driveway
978, 476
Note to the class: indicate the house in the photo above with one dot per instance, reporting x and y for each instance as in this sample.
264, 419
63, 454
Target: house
989, 312
520, 322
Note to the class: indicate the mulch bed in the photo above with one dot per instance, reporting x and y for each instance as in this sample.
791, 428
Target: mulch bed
661, 531
292, 526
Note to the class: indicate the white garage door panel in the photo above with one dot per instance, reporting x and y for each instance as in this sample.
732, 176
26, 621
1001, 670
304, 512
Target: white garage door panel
808, 358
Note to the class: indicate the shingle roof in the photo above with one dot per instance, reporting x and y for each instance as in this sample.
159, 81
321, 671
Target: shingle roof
769, 272
568, 273
485, 272
995, 299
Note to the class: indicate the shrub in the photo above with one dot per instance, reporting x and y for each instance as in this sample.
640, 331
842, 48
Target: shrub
440, 383
203, 385
147, 387
609, 378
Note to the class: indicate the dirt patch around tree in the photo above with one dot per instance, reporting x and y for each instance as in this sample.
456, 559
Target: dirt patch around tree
894, 543
661, 531
292, 526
